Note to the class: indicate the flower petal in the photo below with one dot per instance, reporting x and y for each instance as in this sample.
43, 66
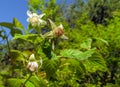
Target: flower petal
48, 35
60, 26
29, 13
41, 15
52, 24
34, 14
64, 37
27, 19
42, 22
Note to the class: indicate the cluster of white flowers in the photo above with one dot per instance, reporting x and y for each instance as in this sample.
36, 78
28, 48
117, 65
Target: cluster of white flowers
57, 32
36, 21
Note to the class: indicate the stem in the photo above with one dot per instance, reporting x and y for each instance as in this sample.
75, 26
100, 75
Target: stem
27, 79
36, 77
53, 45
6, 38
39, 30
8, 44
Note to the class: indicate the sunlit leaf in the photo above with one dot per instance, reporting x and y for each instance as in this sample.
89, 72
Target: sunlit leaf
37, 82
102, 40
12, 28
74, 53
51, 65
16, 55
29, 84
74, 65
1, 85
94, 63
15, 31
15, 82
86, 44
33, 38
26, 53
34, 3
16, 23
6, 24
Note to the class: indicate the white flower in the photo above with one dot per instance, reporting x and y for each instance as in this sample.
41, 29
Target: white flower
32, 66
35, 19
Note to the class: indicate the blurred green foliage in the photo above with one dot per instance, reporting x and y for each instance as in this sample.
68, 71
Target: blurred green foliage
89, 58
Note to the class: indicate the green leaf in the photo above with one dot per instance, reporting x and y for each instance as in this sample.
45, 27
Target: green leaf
70, 53
34, 3
94, 63
18, 25
6, 24
33, 38
15, 31
51, 66
15, 82
86, 44
75, 65
29, 84
85, 55
74, 53
2, 85
37, 82
26, 53
16, 55
54, 56
5, 72
12, 28
1, 81
102, 40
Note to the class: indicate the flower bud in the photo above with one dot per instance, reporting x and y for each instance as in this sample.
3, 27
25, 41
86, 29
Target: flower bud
32, 66
59, 31
56, 32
